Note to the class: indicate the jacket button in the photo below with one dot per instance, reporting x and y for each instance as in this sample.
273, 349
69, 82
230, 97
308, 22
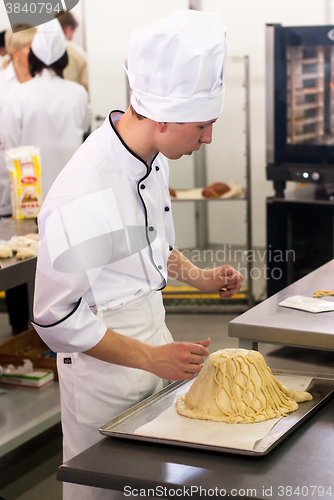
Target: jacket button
159, 267
142, 186
157, 168
151, 228
170, 248
167, 209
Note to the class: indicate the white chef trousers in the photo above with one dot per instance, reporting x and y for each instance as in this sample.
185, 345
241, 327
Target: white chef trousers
93, 391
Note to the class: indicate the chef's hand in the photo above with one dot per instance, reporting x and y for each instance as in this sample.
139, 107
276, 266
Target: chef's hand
179, 360
225, 280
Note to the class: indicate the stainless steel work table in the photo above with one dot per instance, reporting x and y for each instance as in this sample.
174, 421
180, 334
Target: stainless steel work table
25, 413
270, 323
14, 272
304, 459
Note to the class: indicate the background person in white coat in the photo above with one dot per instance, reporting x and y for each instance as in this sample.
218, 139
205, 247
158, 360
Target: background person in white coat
15, 71
47, 111
76, 70
107, 236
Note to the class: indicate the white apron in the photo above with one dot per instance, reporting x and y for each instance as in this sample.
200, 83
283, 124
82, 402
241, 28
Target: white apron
94, 391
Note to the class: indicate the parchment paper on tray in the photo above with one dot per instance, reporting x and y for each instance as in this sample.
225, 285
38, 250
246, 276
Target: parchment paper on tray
171, 425
308, 304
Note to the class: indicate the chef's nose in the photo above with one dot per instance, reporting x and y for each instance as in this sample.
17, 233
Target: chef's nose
206, 136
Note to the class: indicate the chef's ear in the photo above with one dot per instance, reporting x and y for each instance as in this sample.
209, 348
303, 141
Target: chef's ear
162, 127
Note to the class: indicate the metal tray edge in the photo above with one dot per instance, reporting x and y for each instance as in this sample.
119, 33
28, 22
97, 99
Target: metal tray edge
174, 442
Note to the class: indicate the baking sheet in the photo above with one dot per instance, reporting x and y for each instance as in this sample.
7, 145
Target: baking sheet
161, 406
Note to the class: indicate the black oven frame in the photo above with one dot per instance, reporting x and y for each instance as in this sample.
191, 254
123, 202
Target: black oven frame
291, 162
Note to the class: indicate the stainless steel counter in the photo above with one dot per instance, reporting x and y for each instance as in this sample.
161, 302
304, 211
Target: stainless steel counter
14, 272
300, 467
270, 323
25, 413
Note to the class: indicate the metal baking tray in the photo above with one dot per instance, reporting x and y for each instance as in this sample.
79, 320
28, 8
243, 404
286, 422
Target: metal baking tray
124, 425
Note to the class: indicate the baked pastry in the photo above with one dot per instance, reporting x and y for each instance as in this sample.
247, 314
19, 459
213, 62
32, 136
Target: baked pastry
215, 190
27, 252
236, 386
172, 192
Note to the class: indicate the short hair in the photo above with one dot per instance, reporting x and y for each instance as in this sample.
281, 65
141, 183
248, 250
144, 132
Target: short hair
137, 115
36, 66
67, 19
24, 34
2, 39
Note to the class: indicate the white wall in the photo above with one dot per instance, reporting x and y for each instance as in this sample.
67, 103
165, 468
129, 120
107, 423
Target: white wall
109, 24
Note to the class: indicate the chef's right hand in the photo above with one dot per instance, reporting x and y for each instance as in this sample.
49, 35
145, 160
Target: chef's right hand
179, 360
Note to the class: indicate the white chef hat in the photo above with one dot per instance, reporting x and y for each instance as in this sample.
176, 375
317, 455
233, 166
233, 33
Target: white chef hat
176, 67
49, 43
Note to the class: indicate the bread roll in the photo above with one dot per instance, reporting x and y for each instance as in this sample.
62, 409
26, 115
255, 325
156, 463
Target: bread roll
215, 190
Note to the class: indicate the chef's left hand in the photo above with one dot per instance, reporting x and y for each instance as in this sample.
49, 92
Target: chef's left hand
225, 280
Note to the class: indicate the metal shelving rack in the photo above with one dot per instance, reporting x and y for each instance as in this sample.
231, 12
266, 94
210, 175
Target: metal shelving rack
200, 170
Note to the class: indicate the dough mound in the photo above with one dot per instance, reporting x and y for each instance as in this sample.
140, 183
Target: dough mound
236, 386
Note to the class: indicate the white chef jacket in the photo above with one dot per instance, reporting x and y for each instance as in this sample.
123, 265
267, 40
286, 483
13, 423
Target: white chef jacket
49, 112
106, 232
8, 81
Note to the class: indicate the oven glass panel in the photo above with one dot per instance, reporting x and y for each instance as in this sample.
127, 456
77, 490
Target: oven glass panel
310, 95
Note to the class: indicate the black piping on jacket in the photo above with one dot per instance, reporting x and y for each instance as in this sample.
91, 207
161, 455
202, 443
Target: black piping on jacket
61, 320
148, 171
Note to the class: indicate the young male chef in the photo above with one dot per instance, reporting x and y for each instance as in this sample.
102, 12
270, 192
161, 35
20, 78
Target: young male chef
107, 237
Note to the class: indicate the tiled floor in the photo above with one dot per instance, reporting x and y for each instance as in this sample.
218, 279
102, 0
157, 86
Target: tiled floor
30, 472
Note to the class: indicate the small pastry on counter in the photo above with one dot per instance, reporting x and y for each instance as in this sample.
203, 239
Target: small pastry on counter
5, 251
215, 190
26, 253
18, 242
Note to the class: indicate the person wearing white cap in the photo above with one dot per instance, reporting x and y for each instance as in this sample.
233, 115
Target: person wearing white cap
15, 70
46, 111
107, 236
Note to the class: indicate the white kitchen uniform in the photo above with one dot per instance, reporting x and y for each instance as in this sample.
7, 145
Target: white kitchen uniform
8, 81
106, 232
48, 112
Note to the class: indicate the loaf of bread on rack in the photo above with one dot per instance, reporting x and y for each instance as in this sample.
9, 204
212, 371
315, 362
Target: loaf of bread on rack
215, 190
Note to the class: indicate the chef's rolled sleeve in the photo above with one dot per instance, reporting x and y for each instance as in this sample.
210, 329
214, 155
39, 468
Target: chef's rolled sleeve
77, 332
